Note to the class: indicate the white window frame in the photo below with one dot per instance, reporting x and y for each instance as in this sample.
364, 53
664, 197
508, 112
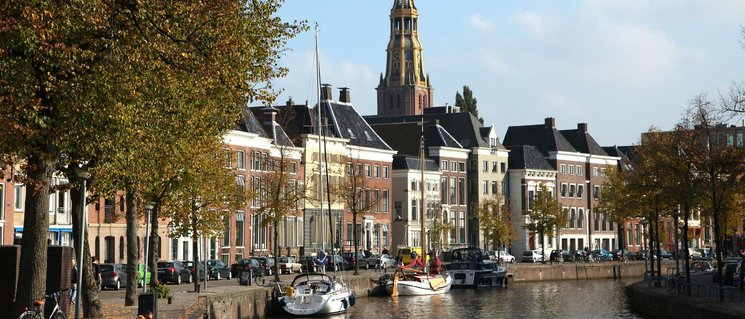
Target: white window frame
240, 160
19, 192
563, 168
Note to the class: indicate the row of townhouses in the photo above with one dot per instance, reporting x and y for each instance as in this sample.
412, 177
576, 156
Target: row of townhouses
465, 164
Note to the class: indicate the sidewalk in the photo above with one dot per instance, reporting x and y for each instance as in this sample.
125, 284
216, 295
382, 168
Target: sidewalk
704, 295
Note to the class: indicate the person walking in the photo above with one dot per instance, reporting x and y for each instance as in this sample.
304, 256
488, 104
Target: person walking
96, 272
74, 280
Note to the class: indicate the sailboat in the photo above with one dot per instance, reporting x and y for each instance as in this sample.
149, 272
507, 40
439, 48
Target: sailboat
317, 293
409, 281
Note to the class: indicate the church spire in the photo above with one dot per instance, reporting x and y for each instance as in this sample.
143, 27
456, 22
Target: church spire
405, 89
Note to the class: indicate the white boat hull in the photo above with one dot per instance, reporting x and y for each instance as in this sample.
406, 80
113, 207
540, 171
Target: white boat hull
420, 288
314, 296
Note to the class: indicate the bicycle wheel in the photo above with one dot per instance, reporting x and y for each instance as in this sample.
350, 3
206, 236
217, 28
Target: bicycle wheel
59, 315
30, 314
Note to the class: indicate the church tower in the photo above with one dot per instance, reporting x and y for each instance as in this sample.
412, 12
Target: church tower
405, 89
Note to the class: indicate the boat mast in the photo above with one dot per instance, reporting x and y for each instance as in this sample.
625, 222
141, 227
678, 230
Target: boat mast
423, 234
319, 132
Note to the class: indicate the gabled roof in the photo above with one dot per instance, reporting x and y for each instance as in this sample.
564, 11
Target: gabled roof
413, 163
582, 141
527, 157
462, 126
543, 136
270, 128
345, 122
624, 152
249, 123
438, 136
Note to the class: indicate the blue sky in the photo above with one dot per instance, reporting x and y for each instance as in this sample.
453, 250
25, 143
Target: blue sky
620, 66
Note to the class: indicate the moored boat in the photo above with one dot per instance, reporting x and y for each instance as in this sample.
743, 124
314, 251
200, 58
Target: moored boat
316, 294
470, 268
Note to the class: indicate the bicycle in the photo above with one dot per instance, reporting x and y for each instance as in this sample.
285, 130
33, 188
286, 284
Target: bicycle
675, 283
37, 313
258, 277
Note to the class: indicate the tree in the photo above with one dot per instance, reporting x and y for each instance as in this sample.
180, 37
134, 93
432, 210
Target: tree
205, 195
467, 102
545, 215
439, 227
280, 193
73, 71
354, 192
494, 219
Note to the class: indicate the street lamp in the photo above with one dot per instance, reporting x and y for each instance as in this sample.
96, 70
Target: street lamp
83, 174
148, 208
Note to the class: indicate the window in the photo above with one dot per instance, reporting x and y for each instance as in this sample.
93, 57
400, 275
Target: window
376, 170
414, 209
174, 248
121, 248
397, 209
452, 225
378, 201
462, 227
227, 154
594, 171
485, 187
239, 221
413, 185
596, 192
226, 233
604, 223
293, 168
494, 189
461, 191
494, 167
385, 235
486, 166
579, 170
563, 190
2, 204
474, 165
240, 160
240, 182
385, 200
563, 168
444, 165
385, 172
572, 217
531, 194
572, 188
503, 167
571, 169
452, 190
368, 173
109, 252
18, 197
596, 221
453, 166
462, 167
580, 190
580, 218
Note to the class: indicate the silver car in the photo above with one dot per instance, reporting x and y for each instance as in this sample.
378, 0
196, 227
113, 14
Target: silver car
380, 260
113, 276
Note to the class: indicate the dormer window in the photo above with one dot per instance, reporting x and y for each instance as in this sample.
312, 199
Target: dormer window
351, 134
368, 136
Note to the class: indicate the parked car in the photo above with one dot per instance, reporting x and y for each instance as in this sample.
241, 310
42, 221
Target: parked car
694, 252
266, 263
701, 266
353, 260
288, 264
308, 263
140, 274
531, 256
217, 269
245, 263
728, 272
503, 256
113, 276
567, 256
337, 263
664, 254
601, 255
739, 274
381, 260
173, 271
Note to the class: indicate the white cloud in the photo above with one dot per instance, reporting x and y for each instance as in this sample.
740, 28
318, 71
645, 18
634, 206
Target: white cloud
533, 21
478, 22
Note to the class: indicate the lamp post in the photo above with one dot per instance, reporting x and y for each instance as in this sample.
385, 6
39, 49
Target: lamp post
148, 209
83, 174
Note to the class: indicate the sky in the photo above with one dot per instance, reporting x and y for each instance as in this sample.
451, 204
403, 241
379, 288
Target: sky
620, 66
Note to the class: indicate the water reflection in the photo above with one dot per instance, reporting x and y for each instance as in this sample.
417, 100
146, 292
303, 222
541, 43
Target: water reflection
561, 299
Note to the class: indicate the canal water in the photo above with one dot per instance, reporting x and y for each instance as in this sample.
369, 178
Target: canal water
555, 299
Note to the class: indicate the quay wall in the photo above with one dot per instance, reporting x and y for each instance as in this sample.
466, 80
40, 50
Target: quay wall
575, 271
651, 304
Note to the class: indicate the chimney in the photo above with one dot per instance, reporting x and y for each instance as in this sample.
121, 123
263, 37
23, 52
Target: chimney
344, 96
270, 114
582, 127
290, 102
326, 92
550, 122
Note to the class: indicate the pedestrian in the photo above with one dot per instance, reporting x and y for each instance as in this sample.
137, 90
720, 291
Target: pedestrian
96, 271
385, 251
321, 261
74, 281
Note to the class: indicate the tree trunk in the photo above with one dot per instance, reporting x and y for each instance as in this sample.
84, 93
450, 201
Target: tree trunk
133, 253
89, 288
356, 244
657, 242
650, 246
153, 255
195, 249
687, 264
275, 249
33, 266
